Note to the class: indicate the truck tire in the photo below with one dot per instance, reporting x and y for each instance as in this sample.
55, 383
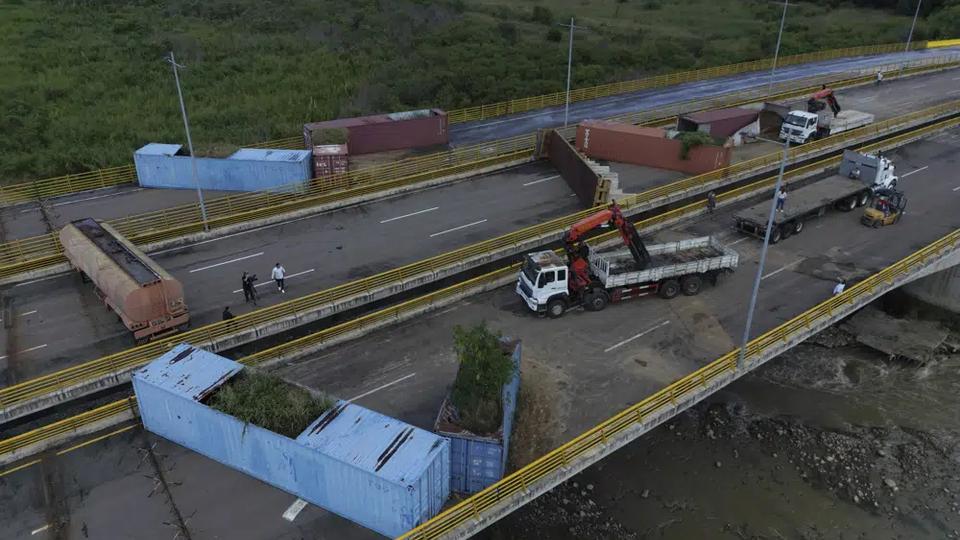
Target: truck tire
555, 308
775, 235
595, 301
848, 204
691, 284
863, 198
669, 289
796, 226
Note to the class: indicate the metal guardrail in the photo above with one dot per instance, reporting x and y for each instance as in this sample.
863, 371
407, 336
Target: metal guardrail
132, 358
475, 509
210, 333
125, 174
37, 252
503, 108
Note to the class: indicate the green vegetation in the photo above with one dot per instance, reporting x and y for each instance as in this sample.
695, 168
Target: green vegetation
692, 139
83, 83
269, 402
484, 368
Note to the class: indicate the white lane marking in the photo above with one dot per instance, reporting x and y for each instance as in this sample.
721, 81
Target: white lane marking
956, 188
271, 282
28, 313
294, 510
640, 335
542, 180
785, 267
83, 200
31, 282
458, 228
38, 347
871, 98
226, 236
245, 257
955, 79
744, 239
40, 530
410, 214
381, 387
925, 167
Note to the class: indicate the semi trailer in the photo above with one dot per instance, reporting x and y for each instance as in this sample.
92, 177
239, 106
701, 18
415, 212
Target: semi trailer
146, 299
593, 278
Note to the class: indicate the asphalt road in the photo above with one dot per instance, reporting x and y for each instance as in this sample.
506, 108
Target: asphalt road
28, 220
577, 371
59, 322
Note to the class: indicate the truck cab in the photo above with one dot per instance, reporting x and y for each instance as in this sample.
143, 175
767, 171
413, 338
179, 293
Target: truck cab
799, 126
874, 170
543, 282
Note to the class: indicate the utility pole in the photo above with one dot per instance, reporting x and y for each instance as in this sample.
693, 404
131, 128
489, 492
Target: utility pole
186, 127
763, 259
913, 25
776, 52
572, 27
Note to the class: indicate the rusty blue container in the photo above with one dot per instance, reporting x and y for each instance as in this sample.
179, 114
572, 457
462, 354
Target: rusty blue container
369, 468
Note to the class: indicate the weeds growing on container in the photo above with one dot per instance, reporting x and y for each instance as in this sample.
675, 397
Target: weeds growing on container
484, 368
269, 402
691, 140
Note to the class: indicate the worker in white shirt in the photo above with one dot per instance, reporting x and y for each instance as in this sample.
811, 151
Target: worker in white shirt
781, 199
879, 78
839, 287
277, 274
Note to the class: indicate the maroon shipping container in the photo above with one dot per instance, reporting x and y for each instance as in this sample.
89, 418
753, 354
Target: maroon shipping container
330, 159
627, 143
382, 132
719, 122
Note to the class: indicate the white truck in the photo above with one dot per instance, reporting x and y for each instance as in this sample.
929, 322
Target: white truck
548, 285
860, 176
817, 122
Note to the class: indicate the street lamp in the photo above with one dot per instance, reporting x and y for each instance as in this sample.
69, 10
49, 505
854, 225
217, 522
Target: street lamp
776, 52
572, 27
186, 127
910, 35
763, 259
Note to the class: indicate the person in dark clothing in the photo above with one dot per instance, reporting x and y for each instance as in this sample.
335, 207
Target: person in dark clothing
249, 292
226, 314
711, 202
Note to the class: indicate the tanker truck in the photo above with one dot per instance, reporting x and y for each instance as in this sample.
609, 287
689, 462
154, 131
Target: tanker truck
146, 299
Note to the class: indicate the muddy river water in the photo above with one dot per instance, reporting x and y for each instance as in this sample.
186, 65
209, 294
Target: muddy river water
825, 442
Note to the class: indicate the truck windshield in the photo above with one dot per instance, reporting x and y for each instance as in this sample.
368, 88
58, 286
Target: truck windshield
530, 270
795, 120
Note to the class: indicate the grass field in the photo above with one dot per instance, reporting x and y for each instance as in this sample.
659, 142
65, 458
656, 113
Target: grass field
83, 83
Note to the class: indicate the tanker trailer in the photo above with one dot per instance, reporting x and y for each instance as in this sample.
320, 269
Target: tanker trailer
147, 299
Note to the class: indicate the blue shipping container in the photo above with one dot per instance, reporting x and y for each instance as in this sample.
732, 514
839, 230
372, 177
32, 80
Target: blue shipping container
367, 467
479, 461
248, 169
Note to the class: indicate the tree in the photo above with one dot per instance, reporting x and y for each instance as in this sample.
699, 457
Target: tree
620, 4
542, 15
484, 369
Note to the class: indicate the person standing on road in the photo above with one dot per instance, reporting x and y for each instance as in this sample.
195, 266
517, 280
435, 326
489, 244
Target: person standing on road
227, 315
879, 77
277, 274
249, 293
839, 287
711, 202
781, 199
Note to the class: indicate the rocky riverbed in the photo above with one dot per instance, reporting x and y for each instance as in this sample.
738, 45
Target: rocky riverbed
831, 441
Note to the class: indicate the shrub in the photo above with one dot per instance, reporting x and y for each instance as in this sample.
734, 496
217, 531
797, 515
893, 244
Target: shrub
269, 402
542, 15
692, 139
330, 136
554, 34
484, 368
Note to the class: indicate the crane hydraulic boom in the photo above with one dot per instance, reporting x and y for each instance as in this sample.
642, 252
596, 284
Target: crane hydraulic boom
578, 252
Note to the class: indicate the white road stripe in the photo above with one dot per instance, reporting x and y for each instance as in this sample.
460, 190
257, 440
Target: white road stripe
40, 530
381, 387
925, 167
542, 180
28, 350
410, 214
640, 335
28, 313
271, 282
956, 188
458, 228
245, 257
31, 282
83, 200
226, 236
294, 510
785, 267
744, 239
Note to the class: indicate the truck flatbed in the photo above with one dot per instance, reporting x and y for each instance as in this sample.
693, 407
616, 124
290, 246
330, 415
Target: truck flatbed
802, 202
694, 256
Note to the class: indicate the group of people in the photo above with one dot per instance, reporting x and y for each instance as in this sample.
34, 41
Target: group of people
247, 280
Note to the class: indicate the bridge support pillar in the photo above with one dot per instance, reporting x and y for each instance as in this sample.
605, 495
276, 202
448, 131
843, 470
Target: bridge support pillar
940, 289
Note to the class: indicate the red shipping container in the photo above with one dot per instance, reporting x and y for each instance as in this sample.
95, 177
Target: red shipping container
627, 143
382, 132
330, 159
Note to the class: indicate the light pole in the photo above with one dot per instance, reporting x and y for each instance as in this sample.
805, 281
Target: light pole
186, 127
910, 35
763, 259
776, 52
572, 27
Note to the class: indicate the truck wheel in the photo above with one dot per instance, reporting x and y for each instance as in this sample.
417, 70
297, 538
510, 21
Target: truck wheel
669, 289
775, 235
797, 226
848, 204
862, 200
595, 301
691, 285
555, 308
